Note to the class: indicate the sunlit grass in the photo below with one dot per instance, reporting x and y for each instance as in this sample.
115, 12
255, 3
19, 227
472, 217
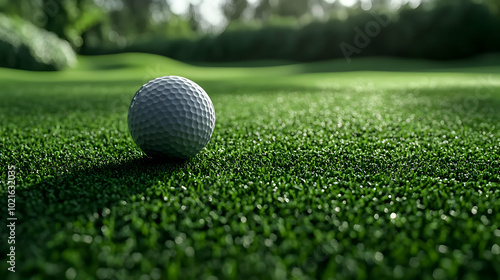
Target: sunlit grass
378, 175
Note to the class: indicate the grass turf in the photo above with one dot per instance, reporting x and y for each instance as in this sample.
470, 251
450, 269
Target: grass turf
309, 174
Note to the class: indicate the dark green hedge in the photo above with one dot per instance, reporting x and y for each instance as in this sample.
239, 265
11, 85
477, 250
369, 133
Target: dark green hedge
25, 46
450, 30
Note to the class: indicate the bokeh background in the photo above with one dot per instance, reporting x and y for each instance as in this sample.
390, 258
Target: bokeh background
46, 34
369, 150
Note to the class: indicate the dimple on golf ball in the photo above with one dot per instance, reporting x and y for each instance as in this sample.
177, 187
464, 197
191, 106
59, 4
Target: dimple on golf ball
171, 117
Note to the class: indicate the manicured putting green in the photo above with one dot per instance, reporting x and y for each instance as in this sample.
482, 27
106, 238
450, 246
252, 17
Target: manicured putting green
311, 173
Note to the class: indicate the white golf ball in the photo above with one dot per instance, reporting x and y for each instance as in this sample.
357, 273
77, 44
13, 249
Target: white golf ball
171, 117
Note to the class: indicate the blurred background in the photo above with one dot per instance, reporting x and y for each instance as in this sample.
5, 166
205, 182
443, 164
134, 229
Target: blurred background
47, 34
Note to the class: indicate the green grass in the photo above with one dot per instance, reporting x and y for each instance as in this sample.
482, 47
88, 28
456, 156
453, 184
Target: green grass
311, 174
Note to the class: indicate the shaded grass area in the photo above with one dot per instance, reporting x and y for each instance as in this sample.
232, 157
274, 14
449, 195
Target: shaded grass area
324, 176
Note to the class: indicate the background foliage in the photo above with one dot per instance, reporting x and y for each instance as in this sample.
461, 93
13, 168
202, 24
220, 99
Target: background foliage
448, 31
23, 45
298, 30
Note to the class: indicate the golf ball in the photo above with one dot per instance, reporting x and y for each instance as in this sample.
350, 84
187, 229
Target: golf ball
171, 117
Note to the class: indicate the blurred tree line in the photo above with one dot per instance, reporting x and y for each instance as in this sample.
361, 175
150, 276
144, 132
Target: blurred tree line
269, 29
